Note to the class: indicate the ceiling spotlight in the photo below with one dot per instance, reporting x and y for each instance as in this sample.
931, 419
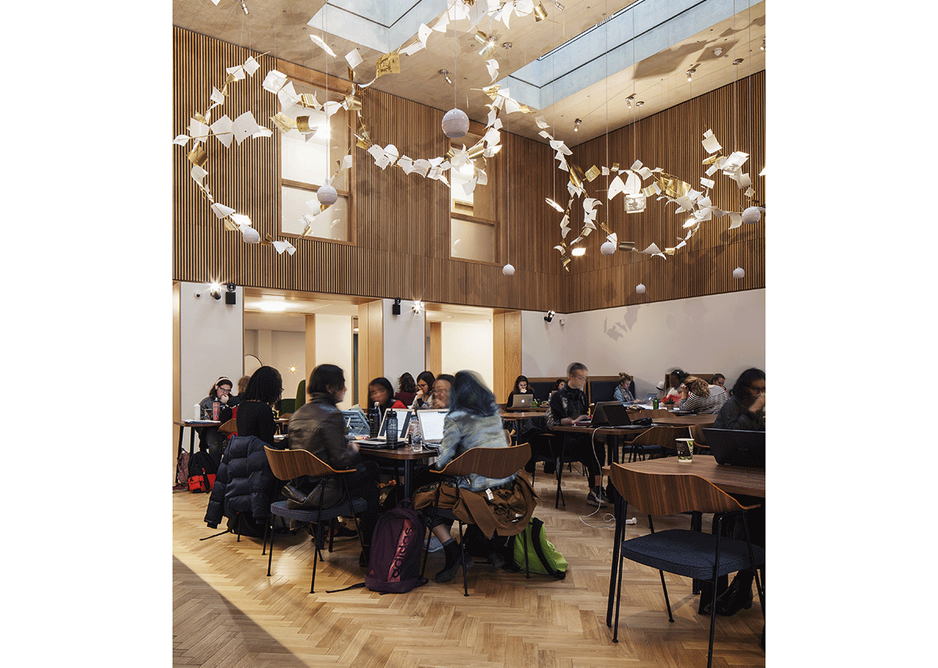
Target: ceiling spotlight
244, 7
737, 61
578, 251
215, 290
446, 76
417, 307
639, 103
506, 45
717, 51
576, 125
628, 100
549, 316
762, 48
690, 73
559, 7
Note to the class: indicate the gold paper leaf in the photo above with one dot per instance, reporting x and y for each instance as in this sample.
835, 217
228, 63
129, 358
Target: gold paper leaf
491, 91
198, 156
353, 101
351, 74
615, 166
626, 245
309, 100
389, 63
576, 175
476, 150
712, 159
539, 13
302, 124
669, 251
283, 123
592, 173
230, 225
200, 118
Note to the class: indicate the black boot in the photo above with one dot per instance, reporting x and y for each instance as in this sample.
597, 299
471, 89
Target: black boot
454, 556
738, 596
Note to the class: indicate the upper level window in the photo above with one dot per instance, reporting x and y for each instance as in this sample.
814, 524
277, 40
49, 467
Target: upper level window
307, 160
473, 221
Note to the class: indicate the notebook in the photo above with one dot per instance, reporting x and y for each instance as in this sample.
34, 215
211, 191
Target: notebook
521, 402
381, 441
431, 425
737, 447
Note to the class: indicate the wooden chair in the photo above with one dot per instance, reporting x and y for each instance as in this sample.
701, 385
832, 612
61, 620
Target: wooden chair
486, 462
691, 554
654, 441
229, 428
290, 464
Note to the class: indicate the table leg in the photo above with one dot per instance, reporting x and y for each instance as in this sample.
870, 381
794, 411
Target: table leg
408, 478
616, 543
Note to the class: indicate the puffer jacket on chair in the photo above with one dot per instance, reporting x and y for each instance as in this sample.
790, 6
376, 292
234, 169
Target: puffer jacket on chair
244, 482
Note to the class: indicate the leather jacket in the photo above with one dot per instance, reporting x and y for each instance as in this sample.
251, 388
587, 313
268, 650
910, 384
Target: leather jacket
317, 426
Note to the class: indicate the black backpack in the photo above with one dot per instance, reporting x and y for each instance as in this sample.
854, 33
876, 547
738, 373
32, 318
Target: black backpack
396, 549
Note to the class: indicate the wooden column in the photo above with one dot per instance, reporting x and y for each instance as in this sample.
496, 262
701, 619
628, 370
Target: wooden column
436, 348
310, 345
370, 347
506, 352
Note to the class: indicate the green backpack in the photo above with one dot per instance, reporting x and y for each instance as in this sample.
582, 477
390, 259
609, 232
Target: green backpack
542, 556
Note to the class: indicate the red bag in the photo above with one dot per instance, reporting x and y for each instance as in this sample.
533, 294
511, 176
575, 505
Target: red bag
201, 483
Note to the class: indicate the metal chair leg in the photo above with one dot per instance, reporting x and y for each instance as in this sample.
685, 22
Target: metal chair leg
270, 555
462, 561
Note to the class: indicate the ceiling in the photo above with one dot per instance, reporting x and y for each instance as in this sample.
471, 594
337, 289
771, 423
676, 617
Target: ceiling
602, 75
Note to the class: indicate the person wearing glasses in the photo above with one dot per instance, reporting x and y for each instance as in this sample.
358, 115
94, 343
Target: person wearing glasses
745, 407
210, 439
424, 394
567, 406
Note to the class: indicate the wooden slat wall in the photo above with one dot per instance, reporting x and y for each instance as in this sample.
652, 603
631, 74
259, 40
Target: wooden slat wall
401, 223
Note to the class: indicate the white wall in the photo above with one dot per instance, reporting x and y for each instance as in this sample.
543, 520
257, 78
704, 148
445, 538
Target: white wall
468, 346
404, 342
334, 346
278, 340
718, 333
210, 342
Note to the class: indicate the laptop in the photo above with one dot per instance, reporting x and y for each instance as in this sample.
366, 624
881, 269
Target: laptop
355, 422
737, 447
521, 402
431, 426
611, 414
381, 440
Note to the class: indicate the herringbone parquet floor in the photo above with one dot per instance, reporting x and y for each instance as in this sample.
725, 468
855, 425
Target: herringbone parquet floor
228, 613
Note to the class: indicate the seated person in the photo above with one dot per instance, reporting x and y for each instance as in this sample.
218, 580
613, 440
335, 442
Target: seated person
380, 392
567, 406
473, 421
255, 411
317, 426
210, 439
521, 387
696, 397
441, 390
406, 389
719, 380
625, 390
242, 386
744, 409
424, 390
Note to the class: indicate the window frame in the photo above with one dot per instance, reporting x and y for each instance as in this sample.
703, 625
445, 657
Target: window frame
491, 169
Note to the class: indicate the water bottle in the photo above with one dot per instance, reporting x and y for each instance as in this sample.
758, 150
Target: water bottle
655, 403
216, 409
416, 436
392, 427
375, 418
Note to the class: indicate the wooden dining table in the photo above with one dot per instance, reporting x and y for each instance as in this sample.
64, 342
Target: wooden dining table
731, 479
612, 434
398, 458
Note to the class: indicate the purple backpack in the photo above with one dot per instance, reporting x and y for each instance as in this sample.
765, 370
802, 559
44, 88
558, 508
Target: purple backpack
396, 548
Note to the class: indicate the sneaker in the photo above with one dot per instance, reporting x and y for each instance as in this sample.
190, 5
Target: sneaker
597, 498
435, 544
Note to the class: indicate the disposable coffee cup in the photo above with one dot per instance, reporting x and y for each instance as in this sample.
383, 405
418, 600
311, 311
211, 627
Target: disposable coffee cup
685, 450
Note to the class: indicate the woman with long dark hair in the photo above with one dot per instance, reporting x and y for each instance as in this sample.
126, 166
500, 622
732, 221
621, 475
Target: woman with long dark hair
424, 394
406, 389
473, 421
255, 410
745, 408
380, 392
520, 387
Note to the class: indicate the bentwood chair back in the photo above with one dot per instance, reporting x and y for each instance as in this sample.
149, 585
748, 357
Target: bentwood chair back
290, 464
486, 462
685, 552
655, 441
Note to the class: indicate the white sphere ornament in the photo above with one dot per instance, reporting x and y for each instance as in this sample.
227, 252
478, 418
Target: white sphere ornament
739, 272
607, 248
455, 123
752, 215
640, 288
327, 195
508, 270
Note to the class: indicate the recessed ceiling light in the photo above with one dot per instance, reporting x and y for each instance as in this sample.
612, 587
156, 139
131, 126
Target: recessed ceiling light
506, 45
273, 306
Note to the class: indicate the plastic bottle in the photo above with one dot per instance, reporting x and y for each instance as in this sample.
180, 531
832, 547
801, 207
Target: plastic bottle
655, 403
216, 409
392, 428
415, 435
375, 418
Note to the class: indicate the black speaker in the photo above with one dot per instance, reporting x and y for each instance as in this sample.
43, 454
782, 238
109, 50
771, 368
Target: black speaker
396, 309
230, 298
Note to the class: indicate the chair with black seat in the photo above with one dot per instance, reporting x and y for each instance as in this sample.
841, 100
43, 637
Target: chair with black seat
685, 552
656, 441
290, 464
487, 462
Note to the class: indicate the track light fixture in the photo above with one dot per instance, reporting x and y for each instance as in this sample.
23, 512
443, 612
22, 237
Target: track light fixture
446, 76
244, 7
576, 125
691, 72
549, 316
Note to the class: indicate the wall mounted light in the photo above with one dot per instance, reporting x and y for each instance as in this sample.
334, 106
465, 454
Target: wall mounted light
214, 289
549, 316
231, 296
417, 307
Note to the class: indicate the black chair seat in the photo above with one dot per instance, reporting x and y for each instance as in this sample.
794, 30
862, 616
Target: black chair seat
690, 553
280, 509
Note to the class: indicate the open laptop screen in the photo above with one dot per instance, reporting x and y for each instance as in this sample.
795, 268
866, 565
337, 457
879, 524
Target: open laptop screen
431, 424
403, 423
